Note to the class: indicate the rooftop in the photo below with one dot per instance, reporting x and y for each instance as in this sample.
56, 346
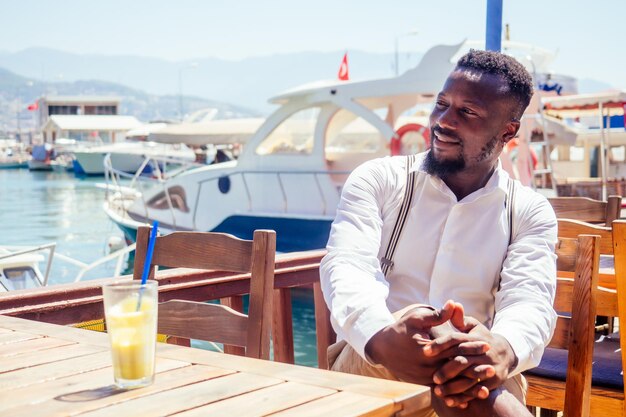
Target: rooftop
81, 99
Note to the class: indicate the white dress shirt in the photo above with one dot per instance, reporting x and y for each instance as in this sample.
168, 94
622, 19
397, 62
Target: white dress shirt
449, 249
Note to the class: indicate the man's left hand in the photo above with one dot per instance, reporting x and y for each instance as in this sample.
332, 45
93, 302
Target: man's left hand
463, 377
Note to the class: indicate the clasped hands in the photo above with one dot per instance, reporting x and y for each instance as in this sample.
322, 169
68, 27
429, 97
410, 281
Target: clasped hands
456, 355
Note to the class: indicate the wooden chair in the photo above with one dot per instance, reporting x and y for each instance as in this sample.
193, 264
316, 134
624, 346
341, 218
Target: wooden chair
607, 388
575, 301
588, 210
617, 396
218, 251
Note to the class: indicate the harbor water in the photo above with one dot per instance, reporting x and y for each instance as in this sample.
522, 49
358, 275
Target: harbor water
38, 208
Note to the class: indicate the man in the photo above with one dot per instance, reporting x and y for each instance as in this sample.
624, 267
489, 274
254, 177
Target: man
461, 240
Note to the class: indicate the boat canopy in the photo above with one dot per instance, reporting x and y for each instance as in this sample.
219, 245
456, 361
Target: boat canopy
145, 129
421, 83
216, 132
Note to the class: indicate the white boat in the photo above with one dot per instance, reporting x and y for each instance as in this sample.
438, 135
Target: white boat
290, 173
19, 269
19, 265
13, 154
126, 156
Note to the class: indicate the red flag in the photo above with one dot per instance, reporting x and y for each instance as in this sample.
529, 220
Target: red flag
343, 69
33, 106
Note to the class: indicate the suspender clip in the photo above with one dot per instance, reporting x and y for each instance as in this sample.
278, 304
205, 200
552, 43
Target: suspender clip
386, 263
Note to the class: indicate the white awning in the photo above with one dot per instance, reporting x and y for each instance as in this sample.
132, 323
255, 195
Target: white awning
93, 123
585, 104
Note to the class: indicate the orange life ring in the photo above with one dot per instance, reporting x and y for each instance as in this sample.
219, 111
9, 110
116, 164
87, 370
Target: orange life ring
396, 141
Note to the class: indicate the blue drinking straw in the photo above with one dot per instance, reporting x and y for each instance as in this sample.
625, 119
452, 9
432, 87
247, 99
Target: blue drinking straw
148, 261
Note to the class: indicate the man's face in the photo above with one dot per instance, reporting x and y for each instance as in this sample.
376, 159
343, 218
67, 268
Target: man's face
470, 122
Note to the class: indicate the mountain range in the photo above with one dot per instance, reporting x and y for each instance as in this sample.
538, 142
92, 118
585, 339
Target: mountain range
247, 83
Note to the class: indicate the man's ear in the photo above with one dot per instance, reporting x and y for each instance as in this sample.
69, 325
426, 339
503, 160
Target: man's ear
511, 129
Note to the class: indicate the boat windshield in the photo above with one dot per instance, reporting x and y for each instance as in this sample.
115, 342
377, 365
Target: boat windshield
19, 278
293, 136
348, 133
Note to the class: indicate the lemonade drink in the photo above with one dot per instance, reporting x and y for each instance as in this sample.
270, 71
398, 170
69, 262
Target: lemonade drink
131, 321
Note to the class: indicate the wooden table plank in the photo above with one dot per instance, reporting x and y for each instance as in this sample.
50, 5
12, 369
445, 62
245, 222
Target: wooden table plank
55, 364
108, 399
35, 358
262, 402
397, 391
189, 396
61, 332
12, 337
26, 346
342, 404
90, 383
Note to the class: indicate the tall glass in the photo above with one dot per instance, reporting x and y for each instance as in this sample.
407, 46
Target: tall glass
130, 310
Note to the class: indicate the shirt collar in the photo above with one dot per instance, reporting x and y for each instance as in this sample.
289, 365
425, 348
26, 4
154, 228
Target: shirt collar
498, 180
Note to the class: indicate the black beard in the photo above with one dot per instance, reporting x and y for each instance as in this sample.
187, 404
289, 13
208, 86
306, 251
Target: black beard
442, 168
488, 149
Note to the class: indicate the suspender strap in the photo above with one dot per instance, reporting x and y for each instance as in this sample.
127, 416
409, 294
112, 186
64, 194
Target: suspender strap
386, 263
509, 204
510, 198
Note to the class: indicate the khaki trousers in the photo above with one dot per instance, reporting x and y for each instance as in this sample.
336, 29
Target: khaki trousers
342, 358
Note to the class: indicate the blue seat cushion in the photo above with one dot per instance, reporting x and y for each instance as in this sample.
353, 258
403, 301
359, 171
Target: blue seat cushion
607, 364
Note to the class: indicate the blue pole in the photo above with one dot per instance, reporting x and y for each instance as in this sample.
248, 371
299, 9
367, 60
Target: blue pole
493, 38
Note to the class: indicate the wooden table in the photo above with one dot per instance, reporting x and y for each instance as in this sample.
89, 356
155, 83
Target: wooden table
54, 370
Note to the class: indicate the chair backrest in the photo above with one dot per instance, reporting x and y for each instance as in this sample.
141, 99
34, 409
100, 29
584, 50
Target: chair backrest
217, 251
588, 210
573, 228
576, 303
619, 244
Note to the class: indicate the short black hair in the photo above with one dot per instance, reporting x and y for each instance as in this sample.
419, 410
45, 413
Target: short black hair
517, 77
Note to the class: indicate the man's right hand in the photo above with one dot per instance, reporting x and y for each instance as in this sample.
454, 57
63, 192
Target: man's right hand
399, 347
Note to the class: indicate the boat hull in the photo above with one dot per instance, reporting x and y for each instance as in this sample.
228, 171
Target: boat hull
14, 165
292, 234
34, 165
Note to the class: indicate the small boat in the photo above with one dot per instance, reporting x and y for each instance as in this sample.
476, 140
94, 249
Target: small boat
19, 265
19, 269
126, 156
13, 154
41, 158
14, 161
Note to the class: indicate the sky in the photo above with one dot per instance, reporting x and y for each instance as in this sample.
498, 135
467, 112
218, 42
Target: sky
586, 34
